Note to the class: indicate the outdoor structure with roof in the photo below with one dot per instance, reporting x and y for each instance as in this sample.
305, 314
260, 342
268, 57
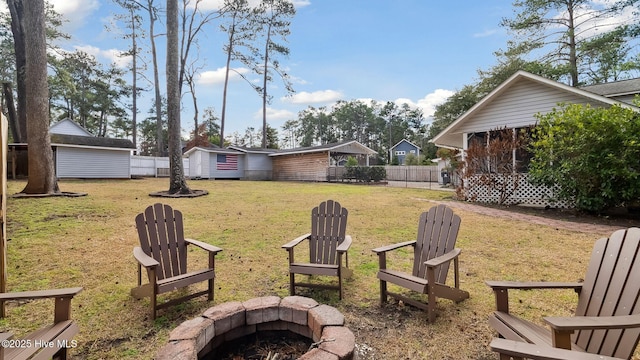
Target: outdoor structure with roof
79, 154
312, 163
514, 105
300, 164
233, 162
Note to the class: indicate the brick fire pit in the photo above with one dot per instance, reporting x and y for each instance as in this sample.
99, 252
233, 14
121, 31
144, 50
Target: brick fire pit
229, 321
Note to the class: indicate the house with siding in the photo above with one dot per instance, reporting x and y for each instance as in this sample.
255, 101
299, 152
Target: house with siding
403, 148
300, 164
514, 104
215, 163
313, 163
79, 154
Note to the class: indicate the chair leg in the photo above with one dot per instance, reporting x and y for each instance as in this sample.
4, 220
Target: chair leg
211, 289
153, 301
340, 284
383, 292
292, 284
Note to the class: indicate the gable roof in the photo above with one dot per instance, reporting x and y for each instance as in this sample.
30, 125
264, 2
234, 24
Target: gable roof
252, 150
213, 149
451, 137
406, 141
68, 127
90, 141
346, 147
617, 88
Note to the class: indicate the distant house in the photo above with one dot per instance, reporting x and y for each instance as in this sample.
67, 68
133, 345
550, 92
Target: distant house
79, 154
402, 149
514, 104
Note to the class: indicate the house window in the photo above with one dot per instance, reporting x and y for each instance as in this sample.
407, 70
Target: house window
400, 152
412, 151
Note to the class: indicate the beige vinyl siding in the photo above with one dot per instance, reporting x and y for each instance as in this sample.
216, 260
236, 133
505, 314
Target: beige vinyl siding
301, 167
516, 107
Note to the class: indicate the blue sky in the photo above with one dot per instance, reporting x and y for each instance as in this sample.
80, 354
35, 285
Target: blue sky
412, 51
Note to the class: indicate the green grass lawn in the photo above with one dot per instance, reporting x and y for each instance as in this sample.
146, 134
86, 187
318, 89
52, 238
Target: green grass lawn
88, 242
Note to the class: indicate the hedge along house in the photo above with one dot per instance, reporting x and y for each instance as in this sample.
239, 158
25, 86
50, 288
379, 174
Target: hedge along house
313, 163
513, 105
79, 154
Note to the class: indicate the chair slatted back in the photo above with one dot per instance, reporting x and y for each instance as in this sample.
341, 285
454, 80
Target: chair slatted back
437, 234
160, 229
328, 229
611, 287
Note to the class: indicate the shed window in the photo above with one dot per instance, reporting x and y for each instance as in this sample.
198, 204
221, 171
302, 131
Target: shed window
400, 152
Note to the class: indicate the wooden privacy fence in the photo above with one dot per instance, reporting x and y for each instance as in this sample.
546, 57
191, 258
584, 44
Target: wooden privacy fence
394, 173
412, 173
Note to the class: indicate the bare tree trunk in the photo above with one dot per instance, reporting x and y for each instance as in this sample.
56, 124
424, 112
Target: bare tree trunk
156, 79
11, 111
177, 183
265, 77
226, 85
16, 9
42, 179
134, 95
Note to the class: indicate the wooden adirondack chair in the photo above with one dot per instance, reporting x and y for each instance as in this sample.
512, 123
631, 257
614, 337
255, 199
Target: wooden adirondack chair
163, 253
328, 242
434, 249
607, 317
58, 336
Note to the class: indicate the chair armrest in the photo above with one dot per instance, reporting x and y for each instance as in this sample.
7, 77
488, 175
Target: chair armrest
384, 249
346, 244
41, 294
144, 259
532, 351
295, 241
204, 246
531, 285
439, 260
501, 289
571, 323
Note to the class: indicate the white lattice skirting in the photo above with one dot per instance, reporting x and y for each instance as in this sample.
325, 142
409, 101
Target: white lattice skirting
490, 188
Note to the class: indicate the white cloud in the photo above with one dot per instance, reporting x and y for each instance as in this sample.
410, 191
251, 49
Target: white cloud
275, 114
75, 11
485, 33
213, 77
111, 55
322, 96
429, 102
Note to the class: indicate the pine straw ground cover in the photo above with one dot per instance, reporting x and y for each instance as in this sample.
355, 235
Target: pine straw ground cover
88, 242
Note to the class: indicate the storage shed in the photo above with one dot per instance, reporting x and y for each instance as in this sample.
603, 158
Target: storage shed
312, 163
215, 163
78, 154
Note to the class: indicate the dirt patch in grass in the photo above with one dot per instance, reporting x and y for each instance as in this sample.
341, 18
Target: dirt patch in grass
88, 241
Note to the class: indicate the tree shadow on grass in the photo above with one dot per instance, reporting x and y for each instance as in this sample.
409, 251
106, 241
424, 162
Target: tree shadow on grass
191, 194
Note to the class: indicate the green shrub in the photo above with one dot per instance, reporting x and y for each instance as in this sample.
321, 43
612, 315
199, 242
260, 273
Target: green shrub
588, 155
365, 173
